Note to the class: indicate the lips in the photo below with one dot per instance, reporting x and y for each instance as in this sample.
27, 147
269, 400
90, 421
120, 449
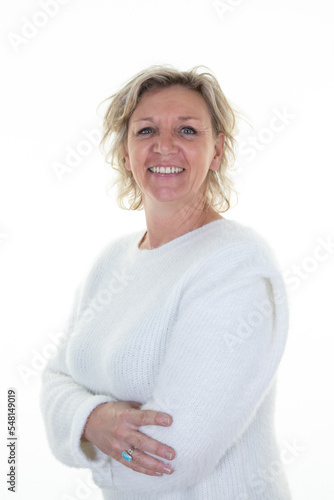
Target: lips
165, 165
166, 171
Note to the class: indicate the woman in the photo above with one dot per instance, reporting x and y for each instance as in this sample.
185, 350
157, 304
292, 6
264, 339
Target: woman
165, 384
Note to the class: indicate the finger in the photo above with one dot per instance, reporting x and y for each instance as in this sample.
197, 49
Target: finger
141, 462
133, 466
135, 404
148, 417
150, 445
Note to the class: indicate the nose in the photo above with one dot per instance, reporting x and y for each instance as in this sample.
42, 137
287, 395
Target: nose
165, 142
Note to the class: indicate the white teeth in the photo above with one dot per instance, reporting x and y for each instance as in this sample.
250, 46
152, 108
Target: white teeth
167, 170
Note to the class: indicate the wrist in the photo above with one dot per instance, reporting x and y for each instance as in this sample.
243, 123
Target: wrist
91, 420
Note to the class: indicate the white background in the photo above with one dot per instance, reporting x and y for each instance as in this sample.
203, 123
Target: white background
268, 56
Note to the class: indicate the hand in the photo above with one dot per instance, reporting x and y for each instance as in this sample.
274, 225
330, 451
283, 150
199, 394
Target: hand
113, 428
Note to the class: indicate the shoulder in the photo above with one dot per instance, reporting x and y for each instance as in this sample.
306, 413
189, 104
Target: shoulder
232, 244
237, 258
232, 256
112, 249
104, 264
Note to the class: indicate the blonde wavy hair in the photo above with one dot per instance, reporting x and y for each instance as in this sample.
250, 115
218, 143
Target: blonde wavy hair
121, 105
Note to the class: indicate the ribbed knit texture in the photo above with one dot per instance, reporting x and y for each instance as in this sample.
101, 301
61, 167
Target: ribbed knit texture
195, 328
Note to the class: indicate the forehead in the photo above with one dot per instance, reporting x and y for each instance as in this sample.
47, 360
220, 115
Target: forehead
174, 98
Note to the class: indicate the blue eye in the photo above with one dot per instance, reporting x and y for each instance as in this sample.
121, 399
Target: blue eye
144, 130
190, 130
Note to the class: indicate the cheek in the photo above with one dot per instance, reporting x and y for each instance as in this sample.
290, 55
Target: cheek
196, 157
139, 152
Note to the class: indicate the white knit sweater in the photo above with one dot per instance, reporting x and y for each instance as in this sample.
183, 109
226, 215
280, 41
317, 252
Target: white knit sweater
194, 328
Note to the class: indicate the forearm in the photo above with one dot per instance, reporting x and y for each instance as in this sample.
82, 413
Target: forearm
65, 408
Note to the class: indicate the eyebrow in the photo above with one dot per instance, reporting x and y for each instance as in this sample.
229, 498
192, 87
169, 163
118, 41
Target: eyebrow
150, 118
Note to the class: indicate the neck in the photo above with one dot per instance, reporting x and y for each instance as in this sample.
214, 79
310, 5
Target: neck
166, 222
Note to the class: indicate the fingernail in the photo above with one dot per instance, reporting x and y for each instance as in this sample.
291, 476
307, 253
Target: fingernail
167, 470
166, 420
158, 474
168, 455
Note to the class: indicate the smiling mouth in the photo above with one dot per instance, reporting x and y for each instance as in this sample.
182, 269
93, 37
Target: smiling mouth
166, 170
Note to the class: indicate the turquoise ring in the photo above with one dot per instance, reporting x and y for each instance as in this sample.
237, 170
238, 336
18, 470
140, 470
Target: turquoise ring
127, 454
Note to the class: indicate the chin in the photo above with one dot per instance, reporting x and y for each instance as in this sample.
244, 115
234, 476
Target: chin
166, 196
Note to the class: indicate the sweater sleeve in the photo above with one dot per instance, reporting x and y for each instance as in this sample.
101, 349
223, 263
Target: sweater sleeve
221, 360
66, 405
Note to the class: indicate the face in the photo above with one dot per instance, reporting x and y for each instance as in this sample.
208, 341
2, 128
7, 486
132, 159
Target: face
171, 128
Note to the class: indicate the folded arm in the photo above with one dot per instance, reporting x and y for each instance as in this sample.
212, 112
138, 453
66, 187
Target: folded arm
220, 362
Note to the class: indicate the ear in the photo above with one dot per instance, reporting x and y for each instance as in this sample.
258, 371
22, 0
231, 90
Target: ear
127, 160
219, 150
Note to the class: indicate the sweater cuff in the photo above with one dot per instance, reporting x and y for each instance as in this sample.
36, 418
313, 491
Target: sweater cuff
85, 452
